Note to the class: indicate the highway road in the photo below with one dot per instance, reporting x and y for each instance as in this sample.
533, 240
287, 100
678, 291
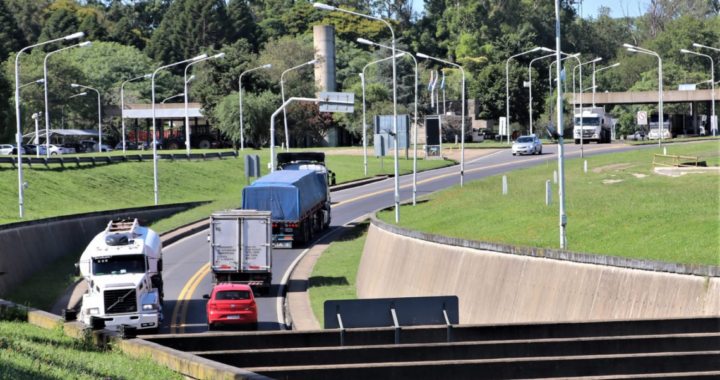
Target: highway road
186, 268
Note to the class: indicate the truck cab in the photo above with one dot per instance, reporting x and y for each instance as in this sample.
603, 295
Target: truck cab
123, 269
592, 124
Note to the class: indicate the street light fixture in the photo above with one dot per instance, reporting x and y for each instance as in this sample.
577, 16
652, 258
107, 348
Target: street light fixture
713, 119
661, 122
415, 131
582, 130
395, 130
122, 105
187, 116
192, 77
462, 132
172, 97
154, 141
594, 86
282, 91
99, 113
39, 81
362, 81
530, 87
242, 129
507, 85
17, 110
47, 103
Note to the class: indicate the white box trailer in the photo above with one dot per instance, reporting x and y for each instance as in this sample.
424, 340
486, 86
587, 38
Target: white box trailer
241, 248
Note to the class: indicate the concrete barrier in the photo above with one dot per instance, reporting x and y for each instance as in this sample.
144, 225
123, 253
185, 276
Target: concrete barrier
521, 284
28, 247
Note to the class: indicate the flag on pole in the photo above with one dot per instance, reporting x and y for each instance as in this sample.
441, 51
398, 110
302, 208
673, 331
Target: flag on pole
442, 84
431, 81
562, 74
437, 77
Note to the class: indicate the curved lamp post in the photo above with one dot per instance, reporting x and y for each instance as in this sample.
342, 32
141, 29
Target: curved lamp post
282, 91
661, 122
17, 109
507, 86
154, 141
122, 105
172, 97
394, 64
74, 85
594, 86
47, 104
242, 129
415, 132
530, 81
712, 81
187, 117
462, 132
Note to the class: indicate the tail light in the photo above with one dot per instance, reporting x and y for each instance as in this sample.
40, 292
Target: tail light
252, 304
213, 306
274, 225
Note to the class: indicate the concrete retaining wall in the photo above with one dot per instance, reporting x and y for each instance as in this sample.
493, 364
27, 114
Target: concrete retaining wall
28, 247
522, 285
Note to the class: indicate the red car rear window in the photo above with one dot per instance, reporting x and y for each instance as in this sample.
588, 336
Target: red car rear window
232, 295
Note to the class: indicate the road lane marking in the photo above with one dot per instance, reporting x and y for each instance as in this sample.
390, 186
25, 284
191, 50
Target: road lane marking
173, 321
188, 296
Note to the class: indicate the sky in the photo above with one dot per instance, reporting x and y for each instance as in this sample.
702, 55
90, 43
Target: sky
590, 7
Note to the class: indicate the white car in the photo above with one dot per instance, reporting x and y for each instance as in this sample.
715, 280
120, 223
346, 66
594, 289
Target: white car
54, 150
527, 145
654, 134
9, 149
106, 148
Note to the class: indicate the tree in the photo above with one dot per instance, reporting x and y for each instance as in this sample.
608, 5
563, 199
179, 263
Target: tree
61, 23
257, 110
124, 34
307, 120
242, 23
29, 16
92, 28
11, 37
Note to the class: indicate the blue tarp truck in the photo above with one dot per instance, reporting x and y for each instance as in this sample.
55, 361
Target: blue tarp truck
298, 201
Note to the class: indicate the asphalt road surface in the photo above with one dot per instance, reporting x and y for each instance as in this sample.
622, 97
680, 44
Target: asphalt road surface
186, 268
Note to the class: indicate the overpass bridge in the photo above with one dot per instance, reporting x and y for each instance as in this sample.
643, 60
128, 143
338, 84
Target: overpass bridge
642, 97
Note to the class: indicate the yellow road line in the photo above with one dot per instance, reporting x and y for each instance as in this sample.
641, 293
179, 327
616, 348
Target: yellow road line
183, 314
191, 285
182, 296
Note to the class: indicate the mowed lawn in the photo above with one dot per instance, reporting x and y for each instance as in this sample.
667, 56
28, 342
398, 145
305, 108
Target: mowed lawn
56, 191
619, 207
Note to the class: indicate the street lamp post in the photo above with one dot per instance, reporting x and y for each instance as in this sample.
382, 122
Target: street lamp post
462, 132
395, 130
36, 116
713, 121
154, 140
187, 117
282, 91
39, 81
561, 145
507, 86
367, 42
661, 122
597, 71
362, 81
582, 132
74, 85
122, 104
47, 104
530, 81
173, 97
242, 129
17, 109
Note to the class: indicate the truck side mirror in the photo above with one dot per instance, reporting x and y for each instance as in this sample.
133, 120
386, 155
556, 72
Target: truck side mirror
77, 269
159, 265
206, 296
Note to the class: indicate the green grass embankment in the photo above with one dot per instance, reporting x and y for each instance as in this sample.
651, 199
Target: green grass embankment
56, 191
334, 276
33, 353
620, 207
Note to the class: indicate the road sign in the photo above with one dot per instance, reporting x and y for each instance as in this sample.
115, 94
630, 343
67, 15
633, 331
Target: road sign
503, 126
343, 102
642, 117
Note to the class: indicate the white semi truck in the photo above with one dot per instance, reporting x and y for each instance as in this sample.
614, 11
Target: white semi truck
123, 269
241, 248
595, 124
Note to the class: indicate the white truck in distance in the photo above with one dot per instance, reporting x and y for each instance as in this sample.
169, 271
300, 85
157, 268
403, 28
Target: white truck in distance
596, 126
123, 269
241, 248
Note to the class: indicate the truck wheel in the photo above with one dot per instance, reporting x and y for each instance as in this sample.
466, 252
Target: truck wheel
173, 145
204, 144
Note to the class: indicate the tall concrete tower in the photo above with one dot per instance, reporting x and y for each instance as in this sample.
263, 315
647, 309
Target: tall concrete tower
324, 43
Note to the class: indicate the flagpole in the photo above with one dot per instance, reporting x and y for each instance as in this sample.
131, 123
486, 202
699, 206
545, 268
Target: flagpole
442, 86
437, 104
432, 93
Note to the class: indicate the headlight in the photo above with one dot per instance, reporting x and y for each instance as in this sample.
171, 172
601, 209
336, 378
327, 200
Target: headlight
93, 311
149, 306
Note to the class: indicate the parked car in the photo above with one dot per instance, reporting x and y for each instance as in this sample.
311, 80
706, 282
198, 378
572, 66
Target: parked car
527, 145
638, 136
131, 145
30, 149
54, 150
655, 134
87, 146
10, 149
106, 148
231, 304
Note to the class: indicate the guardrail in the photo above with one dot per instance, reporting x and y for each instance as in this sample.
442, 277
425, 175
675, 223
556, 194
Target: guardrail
62, 161
675, 161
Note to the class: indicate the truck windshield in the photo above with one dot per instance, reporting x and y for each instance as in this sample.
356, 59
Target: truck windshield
588, 121
118, 265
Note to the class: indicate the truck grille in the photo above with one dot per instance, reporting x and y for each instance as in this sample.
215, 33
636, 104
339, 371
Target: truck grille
120, 301
587, 134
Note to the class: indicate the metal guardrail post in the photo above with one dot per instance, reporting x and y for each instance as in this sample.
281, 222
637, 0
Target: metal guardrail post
449, 326
397, 326
342, 328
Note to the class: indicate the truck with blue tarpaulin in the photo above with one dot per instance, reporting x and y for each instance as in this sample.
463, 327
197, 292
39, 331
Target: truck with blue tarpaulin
298, 201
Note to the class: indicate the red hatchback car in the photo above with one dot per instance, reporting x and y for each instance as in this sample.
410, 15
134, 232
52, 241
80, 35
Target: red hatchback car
231, 304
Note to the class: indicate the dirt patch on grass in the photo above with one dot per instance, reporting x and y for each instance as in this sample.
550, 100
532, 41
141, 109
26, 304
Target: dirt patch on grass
638, 175
607, 181
611, 167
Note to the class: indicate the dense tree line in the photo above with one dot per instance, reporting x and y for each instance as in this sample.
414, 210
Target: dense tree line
134, 37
